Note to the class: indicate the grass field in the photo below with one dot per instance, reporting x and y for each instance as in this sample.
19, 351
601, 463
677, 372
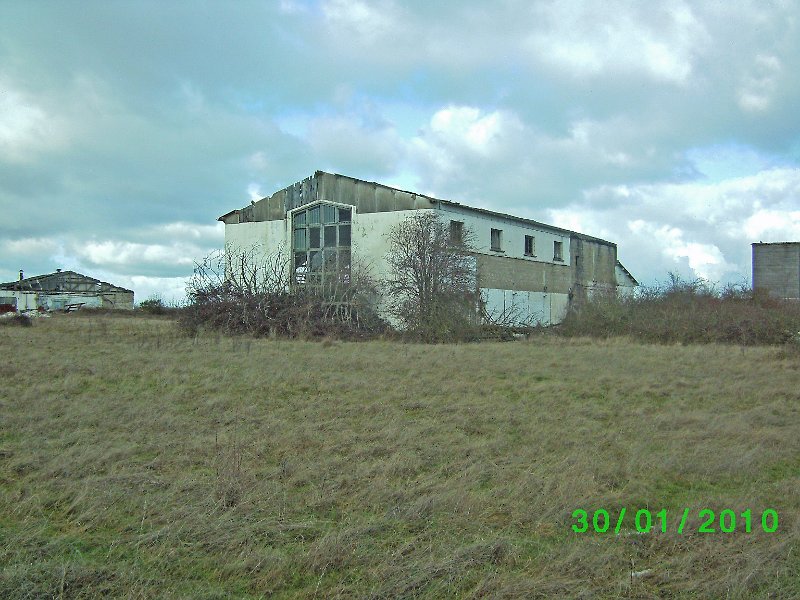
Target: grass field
136, 462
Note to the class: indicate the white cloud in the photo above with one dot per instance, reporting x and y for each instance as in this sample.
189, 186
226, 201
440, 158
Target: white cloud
759, 85
182, 230
368, 21
705, 227
172, 290
602, 37
347, 142
111, 252
26, 129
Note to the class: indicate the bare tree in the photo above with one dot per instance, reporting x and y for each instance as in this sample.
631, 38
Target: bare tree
432, 285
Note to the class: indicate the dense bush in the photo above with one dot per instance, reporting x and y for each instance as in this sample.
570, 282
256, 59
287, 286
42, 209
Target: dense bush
154, 305
18, 320
686, 312
236, 293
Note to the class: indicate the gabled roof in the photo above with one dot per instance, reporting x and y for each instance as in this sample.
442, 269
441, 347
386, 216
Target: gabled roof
47, 283
628, 273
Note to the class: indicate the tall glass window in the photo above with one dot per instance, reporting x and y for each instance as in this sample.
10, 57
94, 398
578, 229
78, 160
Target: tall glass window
321, 242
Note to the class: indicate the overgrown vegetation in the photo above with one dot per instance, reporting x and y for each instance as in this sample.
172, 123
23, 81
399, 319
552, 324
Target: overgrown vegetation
138, 463
155, 305
688, 312
431, 290
243, 293
19, 320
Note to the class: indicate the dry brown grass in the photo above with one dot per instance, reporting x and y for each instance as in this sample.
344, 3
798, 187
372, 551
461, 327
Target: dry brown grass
135, 462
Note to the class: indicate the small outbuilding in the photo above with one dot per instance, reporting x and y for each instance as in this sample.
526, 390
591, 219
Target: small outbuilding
63, 290
776, 269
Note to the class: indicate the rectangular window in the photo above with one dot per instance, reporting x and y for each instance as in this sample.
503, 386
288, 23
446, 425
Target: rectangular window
497, 240
456, 232
344, 235
300, 239
300, 218
530, 245
557, 251
344, 215
330, 236
313, 237
329, 214
313, 215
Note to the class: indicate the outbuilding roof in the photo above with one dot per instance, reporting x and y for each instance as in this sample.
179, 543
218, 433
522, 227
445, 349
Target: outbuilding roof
49, 282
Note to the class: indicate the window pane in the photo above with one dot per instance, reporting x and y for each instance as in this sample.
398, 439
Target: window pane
313, 237
330, 236
328, 213
313, 215
300, 268
344, 258
316, 260
344, 215
300, 239
330, 259
300, 218
344, 235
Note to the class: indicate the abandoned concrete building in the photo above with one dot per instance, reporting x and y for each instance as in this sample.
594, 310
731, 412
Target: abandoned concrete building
63, 290
534, 270
776, 269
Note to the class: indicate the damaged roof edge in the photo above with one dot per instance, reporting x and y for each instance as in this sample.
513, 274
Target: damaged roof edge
484, 211
26, 285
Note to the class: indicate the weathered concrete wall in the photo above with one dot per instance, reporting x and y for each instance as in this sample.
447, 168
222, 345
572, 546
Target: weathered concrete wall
500, 272
524, 308
366, 196
776, 268
593, 268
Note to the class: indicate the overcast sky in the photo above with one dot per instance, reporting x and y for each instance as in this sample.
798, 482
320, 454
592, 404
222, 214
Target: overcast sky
127, 128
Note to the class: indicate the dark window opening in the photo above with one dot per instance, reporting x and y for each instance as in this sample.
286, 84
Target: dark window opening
313, 237
456, 232
557, 251
530, 245
330, 236
344, 235
497, 240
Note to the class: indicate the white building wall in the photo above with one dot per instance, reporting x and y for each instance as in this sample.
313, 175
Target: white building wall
512, 307
513, 236
263, 239
625, 285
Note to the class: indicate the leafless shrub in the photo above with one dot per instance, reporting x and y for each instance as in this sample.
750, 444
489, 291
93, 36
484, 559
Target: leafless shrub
689, 311
245, 292
432, 285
